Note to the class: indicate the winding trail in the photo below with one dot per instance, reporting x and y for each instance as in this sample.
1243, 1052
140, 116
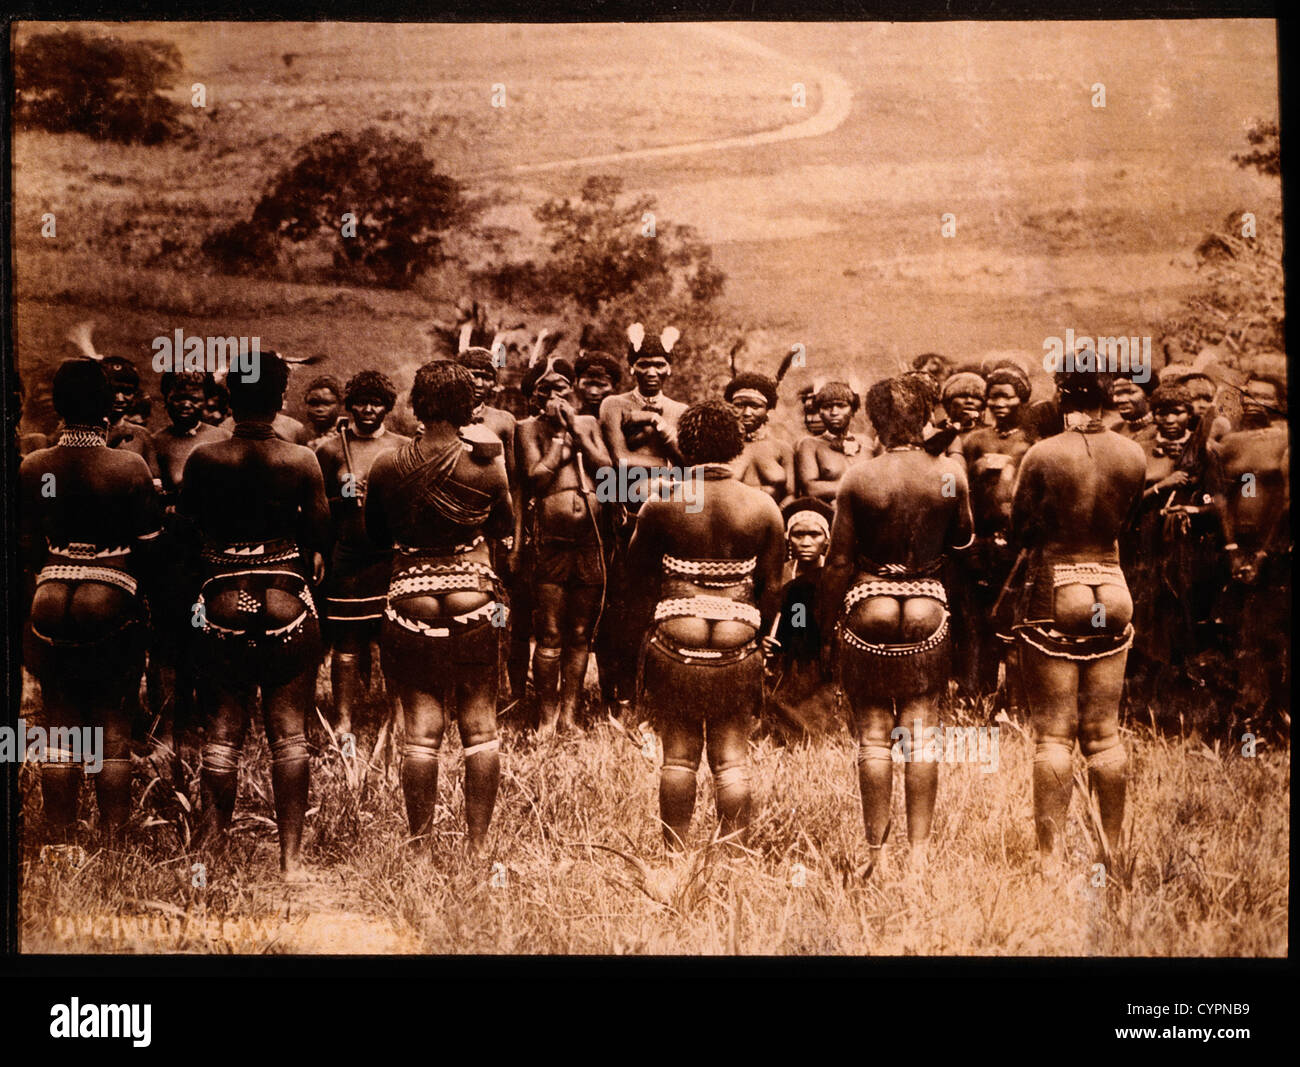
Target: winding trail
836, 102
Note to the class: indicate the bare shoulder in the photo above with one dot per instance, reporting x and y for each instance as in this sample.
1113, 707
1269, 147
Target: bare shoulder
764, 508
589, 423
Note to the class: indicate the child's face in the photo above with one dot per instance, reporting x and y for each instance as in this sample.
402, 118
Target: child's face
807, 542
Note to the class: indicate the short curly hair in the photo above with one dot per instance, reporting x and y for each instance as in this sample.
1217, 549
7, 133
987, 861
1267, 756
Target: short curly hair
898, 409
324, 381
81, 392
370, 383
443, 392
1169, 396
265, 393
709, 432
759, 383
171, 379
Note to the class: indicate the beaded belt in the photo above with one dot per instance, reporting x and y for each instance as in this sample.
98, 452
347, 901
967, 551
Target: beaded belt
433, 579
927, 587
713, 608
241, 553
82, 573
1087, 574
428, 629
714, 657
455, 550
710, 572
930, 643
87, 550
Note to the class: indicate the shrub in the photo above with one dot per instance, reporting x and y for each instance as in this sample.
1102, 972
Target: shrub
106, 88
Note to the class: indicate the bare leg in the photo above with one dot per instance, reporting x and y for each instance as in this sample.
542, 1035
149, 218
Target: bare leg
425, 720
285, 709
920, 776
1100, 685
223, 737
345, 675
549, 607
683, 746
583, 603
476, 703
113, 782
872, 724
728, 751
60, 782
1052, 689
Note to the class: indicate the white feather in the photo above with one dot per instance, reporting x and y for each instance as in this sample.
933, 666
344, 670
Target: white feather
636, 334
80, 335
465, 332
537, 348
669, 337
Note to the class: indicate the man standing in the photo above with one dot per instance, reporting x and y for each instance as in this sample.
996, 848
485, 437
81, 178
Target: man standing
324, 403
896, 516
640, 430
1073, 495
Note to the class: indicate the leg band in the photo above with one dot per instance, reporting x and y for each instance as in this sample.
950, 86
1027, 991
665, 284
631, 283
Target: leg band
486, 746
679, 767
290, 749
732, 776
875, 752
1056, 755
542, 652
219, 758
1114, 757
415, 750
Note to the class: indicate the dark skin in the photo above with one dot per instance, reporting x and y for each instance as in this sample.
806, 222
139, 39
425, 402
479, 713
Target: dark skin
992, 455
733, 521
552, 447
1258, 457
592, 388
640, 438
767, 464
903, 507
475, 691
345, 481
1074, 495
324, 406
169, 687
104, 497
285, 426
818, 465
261, 490
128, 435
174, 443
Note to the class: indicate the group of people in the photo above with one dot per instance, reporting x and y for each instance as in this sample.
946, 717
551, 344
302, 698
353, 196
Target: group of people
713, 568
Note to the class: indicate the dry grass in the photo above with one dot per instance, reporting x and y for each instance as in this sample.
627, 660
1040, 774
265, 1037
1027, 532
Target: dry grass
577, 866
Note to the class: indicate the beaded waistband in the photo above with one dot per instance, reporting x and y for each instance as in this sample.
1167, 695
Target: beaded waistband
710, 572
872, 587
83, 573
912, 649
713, 608
1087, 574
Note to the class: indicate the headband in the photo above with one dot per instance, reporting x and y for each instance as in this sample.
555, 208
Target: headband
814, 517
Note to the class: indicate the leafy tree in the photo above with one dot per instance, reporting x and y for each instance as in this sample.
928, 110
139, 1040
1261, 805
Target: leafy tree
373, 199
1239, 304
109, 89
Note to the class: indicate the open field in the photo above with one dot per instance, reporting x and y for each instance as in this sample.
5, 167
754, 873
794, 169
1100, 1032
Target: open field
1067, 216
1206, 874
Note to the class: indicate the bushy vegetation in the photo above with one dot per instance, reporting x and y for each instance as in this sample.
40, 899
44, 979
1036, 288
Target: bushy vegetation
101, 86
374, 200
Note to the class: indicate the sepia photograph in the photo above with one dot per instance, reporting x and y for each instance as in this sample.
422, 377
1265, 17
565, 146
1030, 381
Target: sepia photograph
660, 489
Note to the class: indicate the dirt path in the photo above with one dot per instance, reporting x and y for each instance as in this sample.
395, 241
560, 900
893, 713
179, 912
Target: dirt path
836, 102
